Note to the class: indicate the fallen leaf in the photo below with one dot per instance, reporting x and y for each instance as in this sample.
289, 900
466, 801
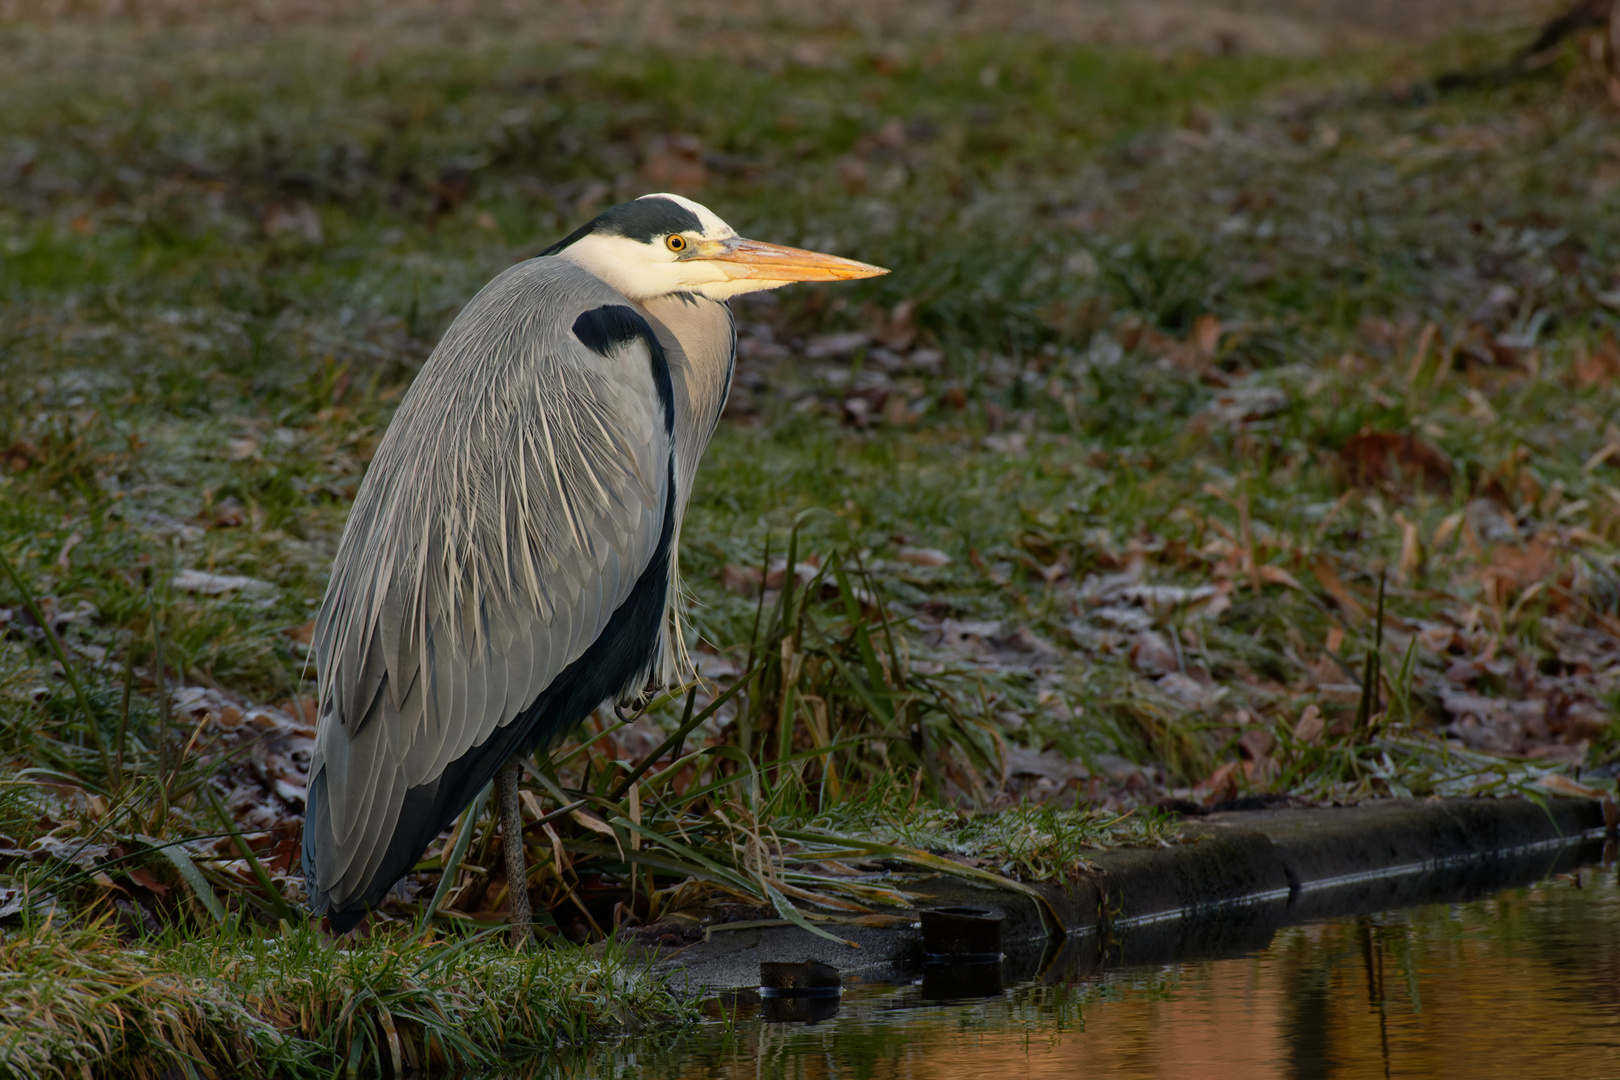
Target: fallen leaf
229, 513
742, 580
804, 573
77, 852
1276, 575
1222, 783
1152, 654
1397, 461
241, 449
199, 581
1598, 365
1187, 690
1329, 579
20, 455
1261, 771
1311, 726
1256, 743
297, 219
143, 878
597, 825
1411, 560
921, 556
836, 346
901, 333
1206, 336
1447, 528
1559, 784
1514, 568
63, 557
1246, 403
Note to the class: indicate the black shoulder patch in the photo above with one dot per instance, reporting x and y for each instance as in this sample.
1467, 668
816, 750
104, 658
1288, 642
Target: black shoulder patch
610, 326
640, 219
603, 329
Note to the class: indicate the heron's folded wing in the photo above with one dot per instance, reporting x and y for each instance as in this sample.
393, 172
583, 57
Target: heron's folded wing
513, 504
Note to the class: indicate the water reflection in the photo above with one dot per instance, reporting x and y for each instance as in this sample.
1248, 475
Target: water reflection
1525, 983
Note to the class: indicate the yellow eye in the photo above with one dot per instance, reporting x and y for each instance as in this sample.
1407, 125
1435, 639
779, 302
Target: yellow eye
675, 242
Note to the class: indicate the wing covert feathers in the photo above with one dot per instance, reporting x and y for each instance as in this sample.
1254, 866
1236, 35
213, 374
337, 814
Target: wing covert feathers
511, 507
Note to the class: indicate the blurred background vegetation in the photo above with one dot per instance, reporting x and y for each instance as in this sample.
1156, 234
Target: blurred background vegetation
1237, 426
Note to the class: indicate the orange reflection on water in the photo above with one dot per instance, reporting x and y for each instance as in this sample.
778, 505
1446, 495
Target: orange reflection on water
1521, 986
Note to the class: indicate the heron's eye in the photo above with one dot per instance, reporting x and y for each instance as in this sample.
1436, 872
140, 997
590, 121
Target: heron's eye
675, 242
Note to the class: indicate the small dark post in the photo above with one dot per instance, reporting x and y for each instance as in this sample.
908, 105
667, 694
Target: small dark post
962, 935
803, 978
802, 992
963, 951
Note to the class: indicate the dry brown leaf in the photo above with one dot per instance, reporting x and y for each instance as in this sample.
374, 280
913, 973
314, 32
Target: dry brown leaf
1510, 483
1222, 783
1311, 726
1447, 528
743, 580
1153, 654
557, 851
1206, 336
1276, 575
1256, 743
1396, 461
1261, 772
921, 556
1411, 560
1559, 784
1598, 365
1329, 579
901, 332
597, 825
20, 455
1604, 453
1515, 568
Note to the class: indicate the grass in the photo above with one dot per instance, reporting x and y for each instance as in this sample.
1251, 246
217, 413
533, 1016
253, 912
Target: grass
246, 1003
1085, 507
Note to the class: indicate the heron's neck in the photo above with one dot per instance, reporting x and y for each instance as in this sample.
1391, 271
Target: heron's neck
700, 341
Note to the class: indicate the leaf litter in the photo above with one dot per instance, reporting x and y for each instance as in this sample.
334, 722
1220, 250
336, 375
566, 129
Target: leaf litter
1171, 485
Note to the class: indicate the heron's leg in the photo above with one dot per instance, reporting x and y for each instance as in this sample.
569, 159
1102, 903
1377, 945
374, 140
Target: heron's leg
517, 868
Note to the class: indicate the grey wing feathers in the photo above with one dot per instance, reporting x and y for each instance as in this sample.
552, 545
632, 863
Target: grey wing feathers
510, 509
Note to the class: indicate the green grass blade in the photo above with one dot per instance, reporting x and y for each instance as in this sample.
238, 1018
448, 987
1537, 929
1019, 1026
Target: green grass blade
192, 876
447, 878
278, 903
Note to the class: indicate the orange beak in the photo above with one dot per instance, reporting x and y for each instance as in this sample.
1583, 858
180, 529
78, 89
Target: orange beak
740, 258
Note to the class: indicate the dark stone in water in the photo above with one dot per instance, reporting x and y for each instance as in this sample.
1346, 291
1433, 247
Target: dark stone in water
803, 978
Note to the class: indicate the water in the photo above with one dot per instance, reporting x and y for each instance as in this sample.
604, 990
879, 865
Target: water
1521, 984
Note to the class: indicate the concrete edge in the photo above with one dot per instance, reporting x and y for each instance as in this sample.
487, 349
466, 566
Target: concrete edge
1256, 869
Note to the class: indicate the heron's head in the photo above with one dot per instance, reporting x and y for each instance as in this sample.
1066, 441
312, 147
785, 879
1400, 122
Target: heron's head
662, 244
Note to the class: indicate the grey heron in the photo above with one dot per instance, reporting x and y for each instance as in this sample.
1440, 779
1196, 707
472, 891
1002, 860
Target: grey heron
511, 558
